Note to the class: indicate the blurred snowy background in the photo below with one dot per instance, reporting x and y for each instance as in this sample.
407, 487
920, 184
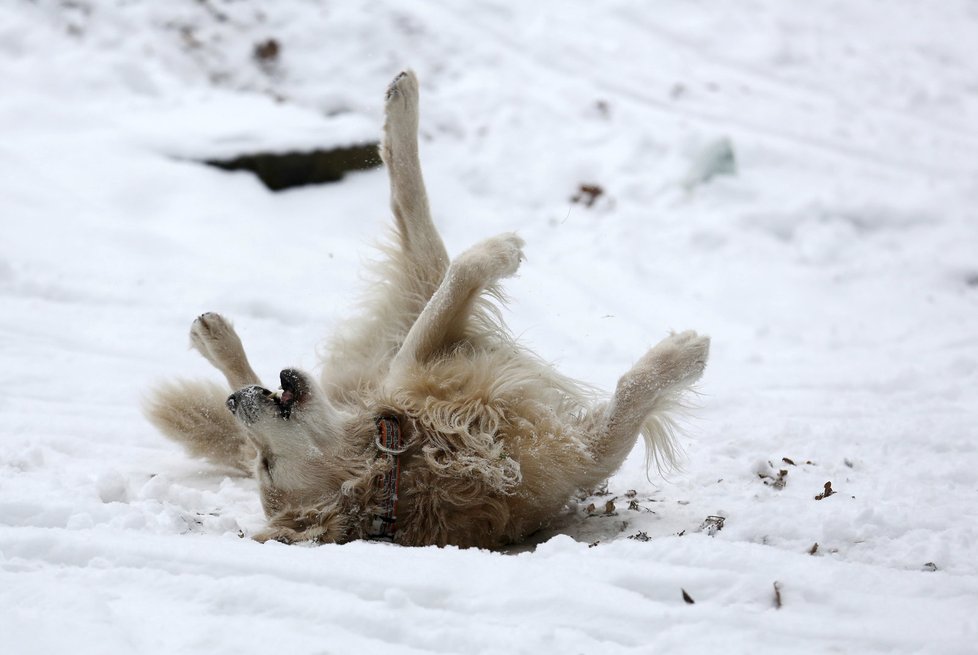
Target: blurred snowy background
799, 181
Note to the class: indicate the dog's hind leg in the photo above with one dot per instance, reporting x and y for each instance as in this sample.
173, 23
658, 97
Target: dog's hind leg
423, 259
414, 266
193, 413
446, 318
643, 400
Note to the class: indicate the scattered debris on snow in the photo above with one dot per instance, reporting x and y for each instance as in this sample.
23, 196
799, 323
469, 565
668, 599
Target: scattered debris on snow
711, 525
826, 492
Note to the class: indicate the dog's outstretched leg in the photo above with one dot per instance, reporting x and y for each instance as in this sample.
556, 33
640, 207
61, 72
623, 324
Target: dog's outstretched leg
414, 265
423, 255
446, 316
193, 413
644, 397
213, 337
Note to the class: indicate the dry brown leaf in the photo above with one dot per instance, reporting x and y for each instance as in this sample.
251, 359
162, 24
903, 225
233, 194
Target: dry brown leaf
826, 493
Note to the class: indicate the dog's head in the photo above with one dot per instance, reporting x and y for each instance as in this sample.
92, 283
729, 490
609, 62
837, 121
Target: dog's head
297, 434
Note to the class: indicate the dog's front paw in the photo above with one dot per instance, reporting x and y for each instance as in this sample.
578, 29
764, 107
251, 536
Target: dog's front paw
213, 337
281, 535
211, 333
319, 534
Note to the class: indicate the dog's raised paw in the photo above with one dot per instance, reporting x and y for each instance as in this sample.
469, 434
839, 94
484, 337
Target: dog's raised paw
494, 258
208, 329
682, 356
509, 252
404, 85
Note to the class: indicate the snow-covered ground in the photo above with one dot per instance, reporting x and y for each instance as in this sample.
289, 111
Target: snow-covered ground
836, 271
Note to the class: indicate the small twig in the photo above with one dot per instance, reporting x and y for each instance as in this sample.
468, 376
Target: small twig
777, 595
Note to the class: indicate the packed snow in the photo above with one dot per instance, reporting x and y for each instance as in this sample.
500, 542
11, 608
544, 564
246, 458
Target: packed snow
799, 181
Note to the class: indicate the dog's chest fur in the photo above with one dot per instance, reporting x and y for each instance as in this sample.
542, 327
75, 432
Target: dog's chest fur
475, 462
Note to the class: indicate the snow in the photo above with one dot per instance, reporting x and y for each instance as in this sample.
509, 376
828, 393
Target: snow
835, 271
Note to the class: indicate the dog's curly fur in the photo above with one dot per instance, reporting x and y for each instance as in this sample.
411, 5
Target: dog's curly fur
496, 440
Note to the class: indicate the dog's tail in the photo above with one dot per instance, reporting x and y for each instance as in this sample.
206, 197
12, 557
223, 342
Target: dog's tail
193, 414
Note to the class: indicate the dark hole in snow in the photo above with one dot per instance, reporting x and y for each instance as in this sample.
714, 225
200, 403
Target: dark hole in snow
279, 171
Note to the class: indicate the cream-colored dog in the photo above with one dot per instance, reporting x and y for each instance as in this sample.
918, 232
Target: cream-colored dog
431, 425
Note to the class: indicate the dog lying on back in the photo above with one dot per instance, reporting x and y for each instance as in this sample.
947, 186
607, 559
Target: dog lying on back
430, 425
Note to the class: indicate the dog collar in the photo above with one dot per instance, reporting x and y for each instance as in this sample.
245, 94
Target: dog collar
388, 441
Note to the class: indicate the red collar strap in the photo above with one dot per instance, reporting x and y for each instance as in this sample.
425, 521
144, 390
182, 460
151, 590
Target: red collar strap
388, 441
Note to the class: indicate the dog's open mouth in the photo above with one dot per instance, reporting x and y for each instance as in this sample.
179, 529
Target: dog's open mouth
291, 389
283, 399
247, 403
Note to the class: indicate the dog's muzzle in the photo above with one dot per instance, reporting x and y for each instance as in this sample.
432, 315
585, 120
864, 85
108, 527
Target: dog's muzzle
250, 403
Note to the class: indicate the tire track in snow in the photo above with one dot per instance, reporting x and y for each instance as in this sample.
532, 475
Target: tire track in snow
820, 93
584, 68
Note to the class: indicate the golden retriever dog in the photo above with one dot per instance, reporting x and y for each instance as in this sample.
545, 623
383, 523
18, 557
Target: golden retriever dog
431, 424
